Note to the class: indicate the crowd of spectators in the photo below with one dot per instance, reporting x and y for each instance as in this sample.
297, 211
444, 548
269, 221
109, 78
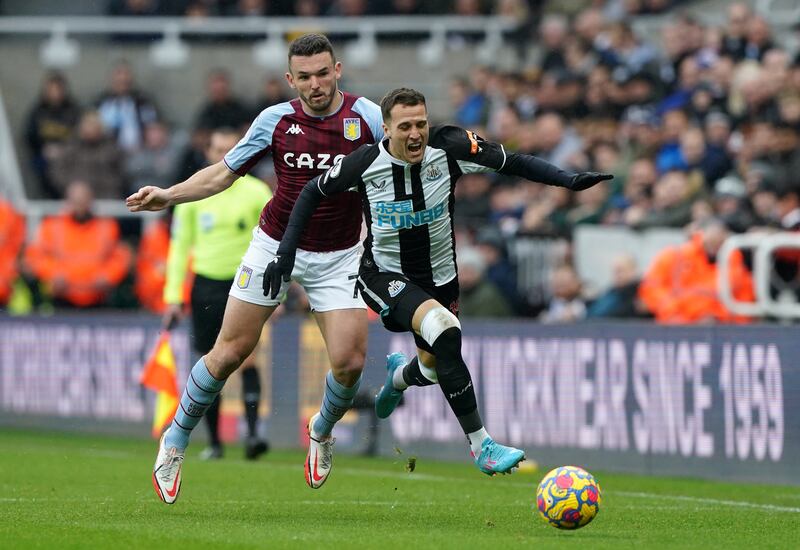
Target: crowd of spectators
700, 126
106, 149
354, 8
707, 115
120, 141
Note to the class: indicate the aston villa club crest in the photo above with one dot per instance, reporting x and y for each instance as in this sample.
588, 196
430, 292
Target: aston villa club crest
243, 280
352, 128
433, 173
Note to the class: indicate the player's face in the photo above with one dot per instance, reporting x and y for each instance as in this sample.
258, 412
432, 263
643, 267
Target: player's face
315, 78
219, 145
407, 130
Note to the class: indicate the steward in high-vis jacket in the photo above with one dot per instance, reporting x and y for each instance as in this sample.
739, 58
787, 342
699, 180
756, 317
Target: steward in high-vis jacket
77, 255
680, 287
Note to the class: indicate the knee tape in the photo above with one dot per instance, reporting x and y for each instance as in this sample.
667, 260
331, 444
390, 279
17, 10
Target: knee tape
435, 322
428, 373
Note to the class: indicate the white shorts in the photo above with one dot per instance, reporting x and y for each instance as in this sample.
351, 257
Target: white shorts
329, 278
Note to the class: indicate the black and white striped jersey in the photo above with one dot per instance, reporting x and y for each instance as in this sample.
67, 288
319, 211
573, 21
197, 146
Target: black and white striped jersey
409, 207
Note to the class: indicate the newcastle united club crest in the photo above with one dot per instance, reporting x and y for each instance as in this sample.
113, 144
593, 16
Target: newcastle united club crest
432, 173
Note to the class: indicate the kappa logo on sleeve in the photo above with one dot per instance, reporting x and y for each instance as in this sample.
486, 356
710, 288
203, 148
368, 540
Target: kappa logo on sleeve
245, 274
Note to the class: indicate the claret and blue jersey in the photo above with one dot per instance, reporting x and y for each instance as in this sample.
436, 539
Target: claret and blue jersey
302, 147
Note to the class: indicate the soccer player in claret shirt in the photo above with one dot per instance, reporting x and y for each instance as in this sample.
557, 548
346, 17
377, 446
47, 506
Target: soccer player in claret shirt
306, 136
408, 271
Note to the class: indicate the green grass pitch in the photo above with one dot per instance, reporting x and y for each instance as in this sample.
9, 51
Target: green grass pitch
77, 491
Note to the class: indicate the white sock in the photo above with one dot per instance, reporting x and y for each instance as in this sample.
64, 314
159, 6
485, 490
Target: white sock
398, 381
476, 439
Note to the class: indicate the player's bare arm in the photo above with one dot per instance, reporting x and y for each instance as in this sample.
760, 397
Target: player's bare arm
204, 183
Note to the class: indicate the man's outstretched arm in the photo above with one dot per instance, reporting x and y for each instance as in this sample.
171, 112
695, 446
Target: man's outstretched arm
204, 183
475, 154
535, 169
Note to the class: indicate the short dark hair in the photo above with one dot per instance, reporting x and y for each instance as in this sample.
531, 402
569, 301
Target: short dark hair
311, 44
400, 96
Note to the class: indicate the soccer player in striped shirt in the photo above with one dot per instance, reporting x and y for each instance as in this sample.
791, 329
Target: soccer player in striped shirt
408, 271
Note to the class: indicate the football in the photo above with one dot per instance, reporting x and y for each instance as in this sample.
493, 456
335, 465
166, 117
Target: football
568, 497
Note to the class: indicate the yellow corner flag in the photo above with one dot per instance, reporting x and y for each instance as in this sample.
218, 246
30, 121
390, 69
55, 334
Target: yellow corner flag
160, 375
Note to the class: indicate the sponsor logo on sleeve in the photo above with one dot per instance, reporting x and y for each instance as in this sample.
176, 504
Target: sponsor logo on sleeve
473, 143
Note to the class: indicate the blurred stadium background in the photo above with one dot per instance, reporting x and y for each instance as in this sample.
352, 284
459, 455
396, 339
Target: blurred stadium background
598, 327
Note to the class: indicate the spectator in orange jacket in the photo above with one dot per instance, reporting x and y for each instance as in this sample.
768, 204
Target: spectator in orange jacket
681, 285
12, 235
78, 256
151, 267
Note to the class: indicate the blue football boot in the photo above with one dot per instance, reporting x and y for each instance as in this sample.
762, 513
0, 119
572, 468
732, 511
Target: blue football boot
388, 397
498, 459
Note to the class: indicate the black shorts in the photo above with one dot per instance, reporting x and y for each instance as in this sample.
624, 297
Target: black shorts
395, 298
209, 297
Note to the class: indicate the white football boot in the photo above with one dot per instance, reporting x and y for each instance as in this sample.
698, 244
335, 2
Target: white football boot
167, 472
319, 459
